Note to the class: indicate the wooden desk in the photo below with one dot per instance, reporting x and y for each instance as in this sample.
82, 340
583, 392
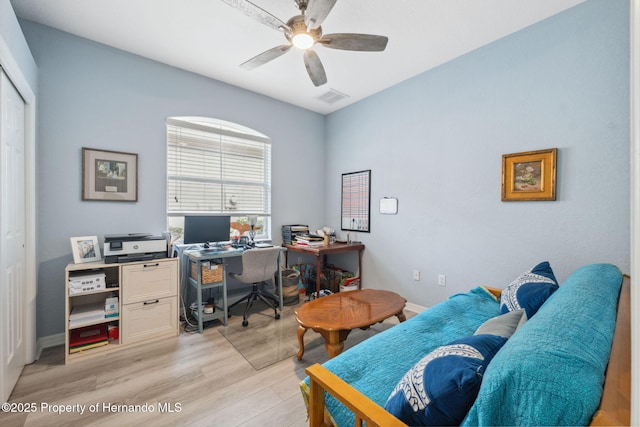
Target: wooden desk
335, 316
320, 252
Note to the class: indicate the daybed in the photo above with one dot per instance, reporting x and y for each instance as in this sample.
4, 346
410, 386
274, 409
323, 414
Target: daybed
550, 371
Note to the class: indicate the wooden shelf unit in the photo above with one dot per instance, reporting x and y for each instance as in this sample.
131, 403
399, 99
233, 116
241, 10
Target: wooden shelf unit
148, 298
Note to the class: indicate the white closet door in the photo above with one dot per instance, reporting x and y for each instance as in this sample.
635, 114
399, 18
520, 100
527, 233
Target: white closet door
12, 237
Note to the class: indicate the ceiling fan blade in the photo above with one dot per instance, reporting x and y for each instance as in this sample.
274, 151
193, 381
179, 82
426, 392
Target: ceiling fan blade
317, 11
314, 68
360, 42
265, 57
258, 14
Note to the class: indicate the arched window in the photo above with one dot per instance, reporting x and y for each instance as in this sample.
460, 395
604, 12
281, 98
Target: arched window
217, 168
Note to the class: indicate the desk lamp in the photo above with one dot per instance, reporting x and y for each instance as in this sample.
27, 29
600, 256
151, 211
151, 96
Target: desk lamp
252, 233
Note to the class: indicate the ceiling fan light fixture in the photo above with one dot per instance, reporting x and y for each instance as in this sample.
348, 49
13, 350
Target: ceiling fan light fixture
303, 40
305, 30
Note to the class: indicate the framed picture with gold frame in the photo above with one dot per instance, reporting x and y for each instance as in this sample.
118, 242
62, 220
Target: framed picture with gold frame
529, 176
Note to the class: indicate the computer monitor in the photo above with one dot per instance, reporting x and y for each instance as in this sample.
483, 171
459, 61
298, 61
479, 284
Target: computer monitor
206, 229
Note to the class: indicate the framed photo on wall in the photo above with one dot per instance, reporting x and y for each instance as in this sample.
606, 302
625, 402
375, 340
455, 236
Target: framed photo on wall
356, 201
109, 175
85, 249
529, 176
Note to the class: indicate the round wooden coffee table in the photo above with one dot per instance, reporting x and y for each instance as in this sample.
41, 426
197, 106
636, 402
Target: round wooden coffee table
335, 316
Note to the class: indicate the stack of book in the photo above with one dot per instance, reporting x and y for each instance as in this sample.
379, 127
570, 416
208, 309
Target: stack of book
309, 240
88, 337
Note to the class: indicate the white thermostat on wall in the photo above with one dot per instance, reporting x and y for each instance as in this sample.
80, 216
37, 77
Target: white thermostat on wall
389, 205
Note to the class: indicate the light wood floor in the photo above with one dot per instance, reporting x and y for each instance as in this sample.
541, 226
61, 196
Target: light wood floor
202, 377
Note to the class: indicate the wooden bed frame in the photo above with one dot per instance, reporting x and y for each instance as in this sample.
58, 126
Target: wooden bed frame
614, 409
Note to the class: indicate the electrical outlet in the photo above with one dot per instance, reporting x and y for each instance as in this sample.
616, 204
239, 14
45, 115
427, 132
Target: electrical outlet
416, 275
442, 280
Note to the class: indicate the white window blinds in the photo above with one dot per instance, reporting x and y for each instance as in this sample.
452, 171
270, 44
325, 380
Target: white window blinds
217, 168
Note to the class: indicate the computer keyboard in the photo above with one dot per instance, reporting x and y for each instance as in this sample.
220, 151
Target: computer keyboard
217, 250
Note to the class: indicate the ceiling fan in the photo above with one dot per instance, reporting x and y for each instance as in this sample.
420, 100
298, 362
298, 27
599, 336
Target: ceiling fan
304, 31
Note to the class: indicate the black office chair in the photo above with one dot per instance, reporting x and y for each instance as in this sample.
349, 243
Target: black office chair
258, 266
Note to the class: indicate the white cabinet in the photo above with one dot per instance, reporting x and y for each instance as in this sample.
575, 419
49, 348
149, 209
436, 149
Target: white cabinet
149, 319
149, 280
149, 301
147, 305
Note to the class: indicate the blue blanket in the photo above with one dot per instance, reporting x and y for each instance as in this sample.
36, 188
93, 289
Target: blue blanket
551, 371
377, 364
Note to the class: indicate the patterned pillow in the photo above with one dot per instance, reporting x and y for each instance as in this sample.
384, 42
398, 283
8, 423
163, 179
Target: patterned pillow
441, 388
530, 290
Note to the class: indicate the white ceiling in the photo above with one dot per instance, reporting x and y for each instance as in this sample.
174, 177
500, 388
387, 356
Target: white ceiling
210, 38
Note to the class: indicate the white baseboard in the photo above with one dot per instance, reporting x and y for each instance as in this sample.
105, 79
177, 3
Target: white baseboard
415, 307
49, 341
58, 339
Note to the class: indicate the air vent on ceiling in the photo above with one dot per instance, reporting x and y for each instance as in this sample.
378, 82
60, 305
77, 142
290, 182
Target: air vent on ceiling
332, 96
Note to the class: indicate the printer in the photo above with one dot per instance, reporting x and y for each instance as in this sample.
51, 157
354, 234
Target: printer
134, 247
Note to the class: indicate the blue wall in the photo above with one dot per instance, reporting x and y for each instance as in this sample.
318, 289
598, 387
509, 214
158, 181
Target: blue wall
12, 37
436, 142
98, 97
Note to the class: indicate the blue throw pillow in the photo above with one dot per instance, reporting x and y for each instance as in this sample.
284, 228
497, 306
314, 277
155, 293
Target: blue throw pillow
441, 388
530, 290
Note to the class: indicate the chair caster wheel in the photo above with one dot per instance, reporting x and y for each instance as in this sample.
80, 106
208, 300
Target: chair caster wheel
277, 316
245, 322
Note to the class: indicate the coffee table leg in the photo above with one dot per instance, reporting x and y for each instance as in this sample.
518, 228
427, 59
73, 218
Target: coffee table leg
301, 331
333, 344
401, 317
334, 341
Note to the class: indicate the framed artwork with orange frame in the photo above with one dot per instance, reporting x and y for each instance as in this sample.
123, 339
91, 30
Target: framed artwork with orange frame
529, 176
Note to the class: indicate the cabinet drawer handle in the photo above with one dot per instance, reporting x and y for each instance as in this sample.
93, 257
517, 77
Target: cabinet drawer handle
157, 264
151, 302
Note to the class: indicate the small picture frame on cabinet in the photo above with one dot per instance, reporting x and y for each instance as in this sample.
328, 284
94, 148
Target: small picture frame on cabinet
85, 249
